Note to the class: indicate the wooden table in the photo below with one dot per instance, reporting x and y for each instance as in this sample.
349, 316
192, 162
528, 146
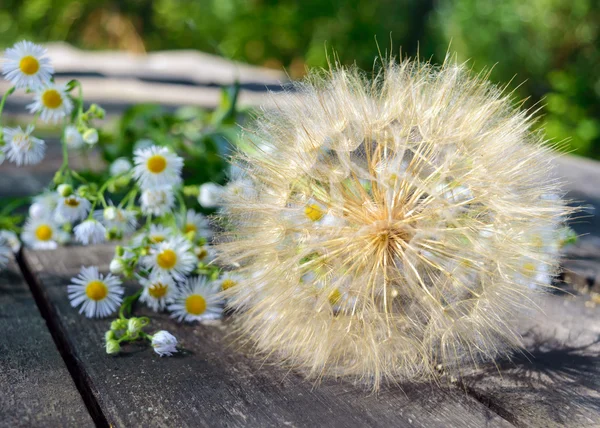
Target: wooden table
54, 371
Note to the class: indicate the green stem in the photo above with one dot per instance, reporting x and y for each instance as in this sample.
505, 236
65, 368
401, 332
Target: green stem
182, 207
5, 96
128, 303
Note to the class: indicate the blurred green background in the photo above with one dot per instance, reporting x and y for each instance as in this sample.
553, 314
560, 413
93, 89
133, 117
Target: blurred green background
548, 48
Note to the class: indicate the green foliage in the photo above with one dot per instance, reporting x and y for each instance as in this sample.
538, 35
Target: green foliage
204, 139
550, 46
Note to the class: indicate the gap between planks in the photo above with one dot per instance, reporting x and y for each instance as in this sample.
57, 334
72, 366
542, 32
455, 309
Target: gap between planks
81, 380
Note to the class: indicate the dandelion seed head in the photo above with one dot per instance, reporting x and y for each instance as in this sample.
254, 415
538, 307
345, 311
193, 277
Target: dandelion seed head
396, 223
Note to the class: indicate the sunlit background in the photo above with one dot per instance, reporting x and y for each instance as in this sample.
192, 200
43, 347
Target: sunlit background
548, 49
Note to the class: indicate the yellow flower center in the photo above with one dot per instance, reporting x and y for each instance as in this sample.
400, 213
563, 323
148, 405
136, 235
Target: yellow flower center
167, 259
51, 99
43, 232
195, 304
156, 164
96, 290
335, 297
228, 283
528, 269
201, 253
158, 290
22, 142
72, 202
157, 239
313, 212
29, 65
190, 228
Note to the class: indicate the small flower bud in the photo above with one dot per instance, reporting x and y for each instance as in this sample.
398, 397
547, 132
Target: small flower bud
58, 177
164, 343
112, 347
116, 266
65, 190
119, 250
109, 213
134, 326
191, 191
97, 111
90, 136
83, 191
109, 335
118, 324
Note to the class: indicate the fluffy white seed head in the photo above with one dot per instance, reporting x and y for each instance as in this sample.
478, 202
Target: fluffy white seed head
396, 223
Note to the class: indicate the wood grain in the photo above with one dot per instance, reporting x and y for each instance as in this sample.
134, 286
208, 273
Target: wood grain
215, 384
36, 387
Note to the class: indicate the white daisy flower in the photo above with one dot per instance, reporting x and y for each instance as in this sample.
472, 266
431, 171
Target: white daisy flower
72, 208
5, 252
43, 233
205, 253
119, 167
90, 136
53, 103
26, 66
72, 137
157, 167
164, 343
90, 232
117, 266
22, 148
158, 291
43, 204
11, 239
173, 257
157, 234
98, 296
229, 280
197, 223
197, 300
117, 220
157, 201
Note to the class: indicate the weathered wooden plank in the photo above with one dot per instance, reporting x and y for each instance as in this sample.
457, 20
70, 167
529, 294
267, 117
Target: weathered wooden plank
170, 78
556, 382
36, 387
214, 384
